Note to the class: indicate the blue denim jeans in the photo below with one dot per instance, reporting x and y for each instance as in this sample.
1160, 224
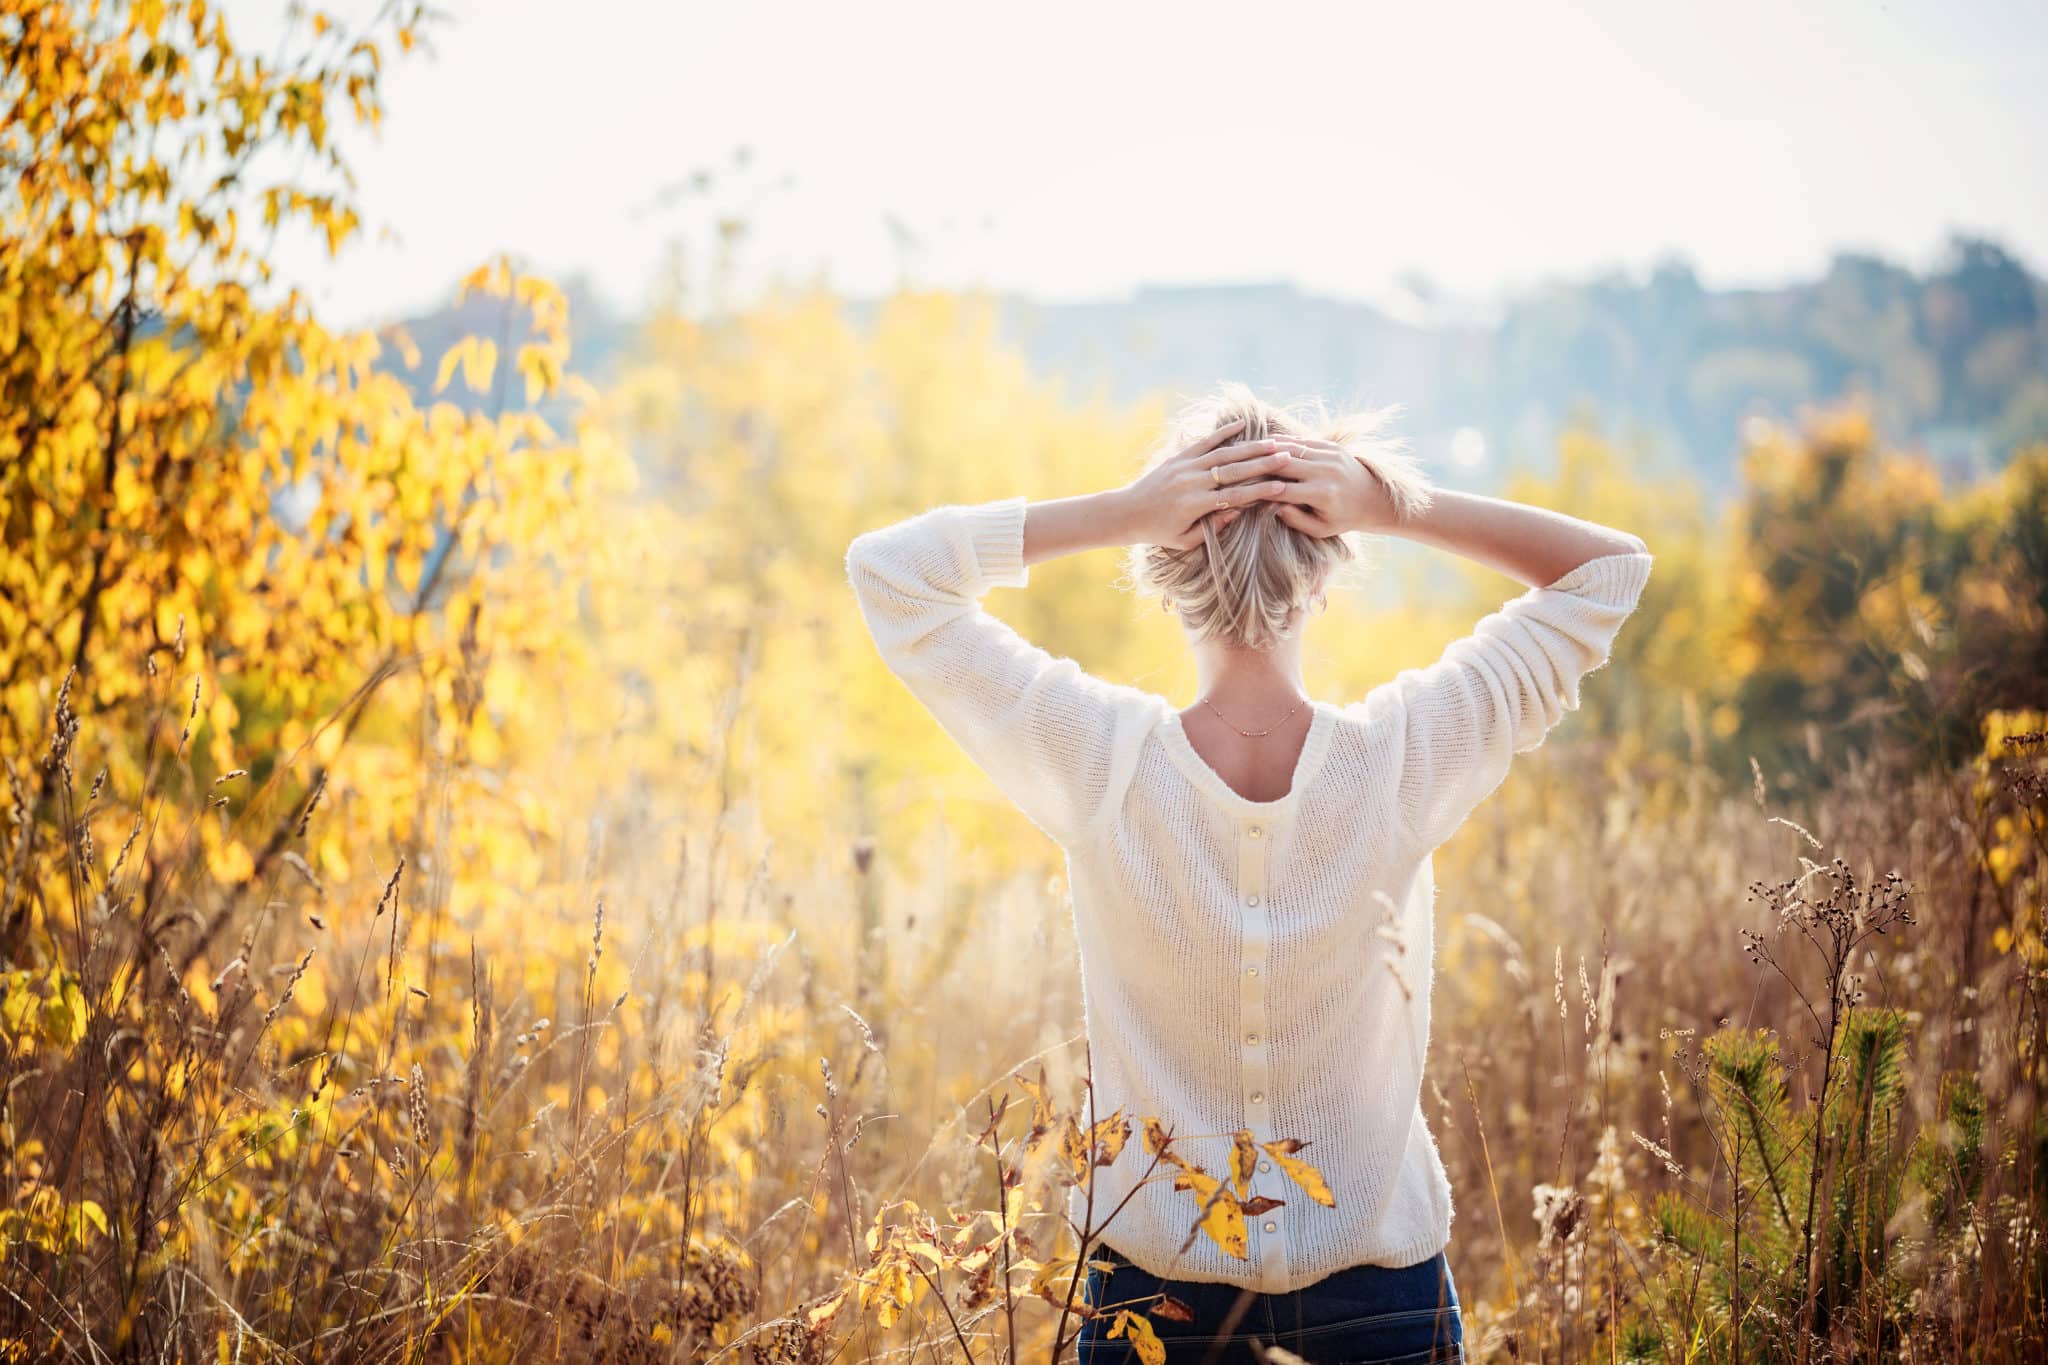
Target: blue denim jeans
1368, 1315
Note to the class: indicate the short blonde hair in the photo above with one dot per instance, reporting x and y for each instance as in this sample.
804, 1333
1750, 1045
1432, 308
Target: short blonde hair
1244, 583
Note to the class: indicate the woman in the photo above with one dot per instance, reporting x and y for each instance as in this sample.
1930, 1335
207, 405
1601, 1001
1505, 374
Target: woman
1251, 875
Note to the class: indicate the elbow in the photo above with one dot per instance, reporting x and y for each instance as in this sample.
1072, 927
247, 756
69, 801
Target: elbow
862, 562
878, 554
863, 577
857, 551
885, 602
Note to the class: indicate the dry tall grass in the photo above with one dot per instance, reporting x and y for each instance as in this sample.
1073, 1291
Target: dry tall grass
798, 1112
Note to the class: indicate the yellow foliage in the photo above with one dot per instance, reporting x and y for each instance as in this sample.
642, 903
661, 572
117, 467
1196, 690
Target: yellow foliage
1301, 1172
1151, 1350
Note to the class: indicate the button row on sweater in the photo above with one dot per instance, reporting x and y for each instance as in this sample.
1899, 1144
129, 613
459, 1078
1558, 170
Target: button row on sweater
1255, 936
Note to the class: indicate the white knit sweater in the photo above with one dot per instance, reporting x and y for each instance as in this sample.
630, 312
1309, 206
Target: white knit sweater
1239, 958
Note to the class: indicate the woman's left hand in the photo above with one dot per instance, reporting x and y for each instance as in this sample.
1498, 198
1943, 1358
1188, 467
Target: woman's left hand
1169, 502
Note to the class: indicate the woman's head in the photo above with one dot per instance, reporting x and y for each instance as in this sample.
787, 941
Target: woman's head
1245, 584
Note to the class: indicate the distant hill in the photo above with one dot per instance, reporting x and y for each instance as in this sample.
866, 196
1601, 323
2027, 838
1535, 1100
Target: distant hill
1954, 361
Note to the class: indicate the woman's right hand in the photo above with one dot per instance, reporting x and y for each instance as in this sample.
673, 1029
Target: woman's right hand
1167, 504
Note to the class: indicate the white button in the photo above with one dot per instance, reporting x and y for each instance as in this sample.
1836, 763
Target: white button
1258, 1097
1251, 900
1252, 1038
1265, 1165
1271, 1226
1254, 831
1251, 971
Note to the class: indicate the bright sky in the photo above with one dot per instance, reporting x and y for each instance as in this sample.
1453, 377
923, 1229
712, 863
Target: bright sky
1077, 150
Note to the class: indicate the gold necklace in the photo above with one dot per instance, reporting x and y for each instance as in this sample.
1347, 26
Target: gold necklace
1256, 734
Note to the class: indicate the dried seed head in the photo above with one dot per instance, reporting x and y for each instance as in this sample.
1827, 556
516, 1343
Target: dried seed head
299, 865
184, 997
867, 1034
134, 831
417, 1099
63, 729
1670, 1162
1793, 824
1559, 1211
390, 895
312, 801
285, 998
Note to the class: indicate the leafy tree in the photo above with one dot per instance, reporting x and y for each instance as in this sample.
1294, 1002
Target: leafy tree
227, 530
1881, 608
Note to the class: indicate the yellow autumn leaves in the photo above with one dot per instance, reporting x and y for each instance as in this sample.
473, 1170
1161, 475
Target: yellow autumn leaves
1004, 1251
1224, 1207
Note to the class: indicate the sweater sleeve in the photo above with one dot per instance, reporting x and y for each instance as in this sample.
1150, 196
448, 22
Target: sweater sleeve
1044, 730
1498, 691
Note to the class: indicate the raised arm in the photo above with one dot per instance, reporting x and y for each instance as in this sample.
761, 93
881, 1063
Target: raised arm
1044, 731
1531, 544
1498, 691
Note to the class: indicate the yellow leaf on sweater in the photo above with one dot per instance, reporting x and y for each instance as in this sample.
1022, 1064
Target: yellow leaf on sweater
1222, 1217
1300, 1172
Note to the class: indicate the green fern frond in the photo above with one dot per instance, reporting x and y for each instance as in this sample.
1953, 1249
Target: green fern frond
1688, 1229
1865, 1099
1747, 1080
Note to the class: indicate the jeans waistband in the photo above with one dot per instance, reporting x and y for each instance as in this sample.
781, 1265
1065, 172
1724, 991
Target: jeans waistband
1104, 1251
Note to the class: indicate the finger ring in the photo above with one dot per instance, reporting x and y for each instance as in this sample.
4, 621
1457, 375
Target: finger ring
1223, 504
1215, 476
